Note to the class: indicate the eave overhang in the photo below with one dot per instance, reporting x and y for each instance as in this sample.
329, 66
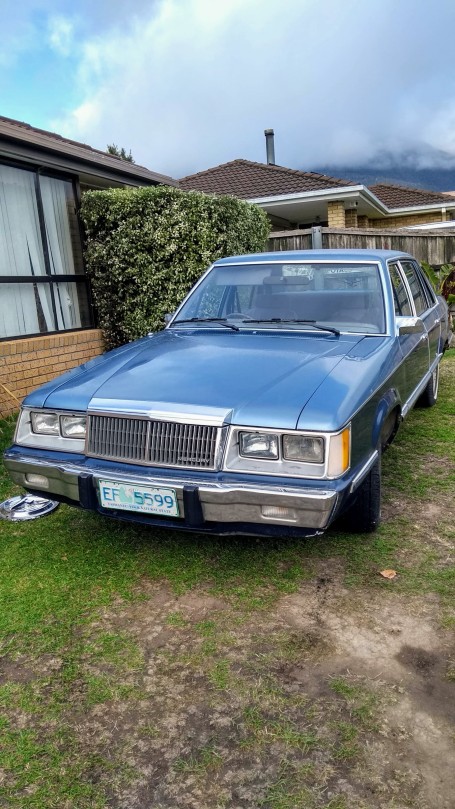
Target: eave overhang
304, 204
309, 204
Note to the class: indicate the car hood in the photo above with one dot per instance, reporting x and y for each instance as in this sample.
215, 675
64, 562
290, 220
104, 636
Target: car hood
261, 379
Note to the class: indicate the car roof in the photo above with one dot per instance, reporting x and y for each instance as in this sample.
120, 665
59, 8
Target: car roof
314, 255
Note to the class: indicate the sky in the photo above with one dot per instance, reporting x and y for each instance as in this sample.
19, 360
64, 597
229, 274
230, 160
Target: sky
188, 84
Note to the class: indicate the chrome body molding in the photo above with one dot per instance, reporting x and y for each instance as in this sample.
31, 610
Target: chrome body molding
220, 502
363, 471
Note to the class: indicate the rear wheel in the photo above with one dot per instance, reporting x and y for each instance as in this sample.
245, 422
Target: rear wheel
430, 394
364, 515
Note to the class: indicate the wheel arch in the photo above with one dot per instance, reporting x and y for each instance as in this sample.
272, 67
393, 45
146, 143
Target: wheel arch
387, 419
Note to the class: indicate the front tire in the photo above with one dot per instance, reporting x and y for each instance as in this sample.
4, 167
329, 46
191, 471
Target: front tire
430, 394
364, 515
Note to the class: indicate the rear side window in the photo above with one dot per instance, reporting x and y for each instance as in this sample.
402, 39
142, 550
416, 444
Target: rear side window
431, 297
416, 286
400, 293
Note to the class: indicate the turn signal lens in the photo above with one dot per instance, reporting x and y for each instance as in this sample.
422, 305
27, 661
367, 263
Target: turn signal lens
278, 513
339, 453
38, 481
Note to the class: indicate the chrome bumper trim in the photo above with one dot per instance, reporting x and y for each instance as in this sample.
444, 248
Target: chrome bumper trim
221, 502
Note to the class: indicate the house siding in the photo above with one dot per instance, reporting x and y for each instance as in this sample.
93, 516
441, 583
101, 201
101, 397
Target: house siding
29, 362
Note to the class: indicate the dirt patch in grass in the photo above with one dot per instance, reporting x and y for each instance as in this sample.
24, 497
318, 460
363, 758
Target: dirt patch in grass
330, 699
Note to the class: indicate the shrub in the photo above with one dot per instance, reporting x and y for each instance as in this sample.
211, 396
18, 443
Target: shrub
442, 280
146, 248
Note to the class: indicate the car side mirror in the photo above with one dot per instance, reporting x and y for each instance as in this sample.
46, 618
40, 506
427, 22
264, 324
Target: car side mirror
410, 325
168, 317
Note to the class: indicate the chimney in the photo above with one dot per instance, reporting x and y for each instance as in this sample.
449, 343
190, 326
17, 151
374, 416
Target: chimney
270, 146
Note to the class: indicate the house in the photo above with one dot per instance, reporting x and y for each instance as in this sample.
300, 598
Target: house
301, 199
46, 317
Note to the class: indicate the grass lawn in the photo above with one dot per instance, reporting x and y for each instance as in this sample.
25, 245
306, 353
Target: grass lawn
158, 670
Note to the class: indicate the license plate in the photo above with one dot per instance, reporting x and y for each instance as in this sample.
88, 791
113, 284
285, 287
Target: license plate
132, 497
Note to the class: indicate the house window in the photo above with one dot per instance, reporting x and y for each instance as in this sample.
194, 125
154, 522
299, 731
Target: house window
43, 286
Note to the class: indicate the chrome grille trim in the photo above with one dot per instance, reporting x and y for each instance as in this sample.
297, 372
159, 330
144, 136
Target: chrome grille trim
152, 442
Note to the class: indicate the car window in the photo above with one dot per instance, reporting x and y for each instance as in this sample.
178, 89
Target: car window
416, 286
430, 293
400, 294
342, 295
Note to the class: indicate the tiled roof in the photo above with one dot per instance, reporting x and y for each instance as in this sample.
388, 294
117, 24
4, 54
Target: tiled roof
246, 179
18, 131
398, 196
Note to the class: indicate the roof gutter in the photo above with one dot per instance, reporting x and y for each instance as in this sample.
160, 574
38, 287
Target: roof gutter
434, 206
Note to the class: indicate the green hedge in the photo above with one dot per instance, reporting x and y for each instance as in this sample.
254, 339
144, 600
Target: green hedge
146, 248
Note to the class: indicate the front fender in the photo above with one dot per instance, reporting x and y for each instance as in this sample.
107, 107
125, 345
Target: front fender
389, 402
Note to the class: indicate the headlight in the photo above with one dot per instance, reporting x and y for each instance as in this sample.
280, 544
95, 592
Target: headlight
304, 448
45, 423
259, 445
73, 426
301, 454
47, 429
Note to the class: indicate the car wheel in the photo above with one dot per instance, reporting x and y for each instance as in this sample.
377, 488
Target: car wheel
430, 394
365, 513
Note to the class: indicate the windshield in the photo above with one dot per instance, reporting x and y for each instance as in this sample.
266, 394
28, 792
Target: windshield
343, 296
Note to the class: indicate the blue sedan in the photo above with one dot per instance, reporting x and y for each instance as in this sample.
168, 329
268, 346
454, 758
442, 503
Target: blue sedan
263, 407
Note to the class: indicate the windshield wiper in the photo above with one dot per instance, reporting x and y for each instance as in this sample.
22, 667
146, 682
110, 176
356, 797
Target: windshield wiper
220, 320
309, 322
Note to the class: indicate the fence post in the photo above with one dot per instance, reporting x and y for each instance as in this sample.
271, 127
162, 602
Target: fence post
316, 238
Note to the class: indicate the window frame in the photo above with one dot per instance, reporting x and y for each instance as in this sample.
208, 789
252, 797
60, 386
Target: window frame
431, 295
402, 261
396, 263
51, 279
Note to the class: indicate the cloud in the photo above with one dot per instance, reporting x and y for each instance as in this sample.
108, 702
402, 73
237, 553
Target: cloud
60, 34
187, 84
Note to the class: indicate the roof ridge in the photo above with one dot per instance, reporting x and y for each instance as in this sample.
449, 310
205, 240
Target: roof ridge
267, 167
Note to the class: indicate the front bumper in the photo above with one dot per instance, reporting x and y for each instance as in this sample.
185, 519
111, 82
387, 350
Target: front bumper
212, 505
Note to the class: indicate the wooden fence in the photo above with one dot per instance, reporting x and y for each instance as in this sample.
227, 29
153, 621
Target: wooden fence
436, 249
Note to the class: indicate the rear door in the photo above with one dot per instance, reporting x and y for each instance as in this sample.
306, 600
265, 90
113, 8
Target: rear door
414, 347
425, 308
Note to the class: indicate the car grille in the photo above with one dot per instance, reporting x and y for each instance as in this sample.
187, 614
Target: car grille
158, 443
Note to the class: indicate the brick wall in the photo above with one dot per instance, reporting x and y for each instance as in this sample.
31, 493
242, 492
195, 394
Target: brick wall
410, 219
29, 362
350, 218
336, 214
